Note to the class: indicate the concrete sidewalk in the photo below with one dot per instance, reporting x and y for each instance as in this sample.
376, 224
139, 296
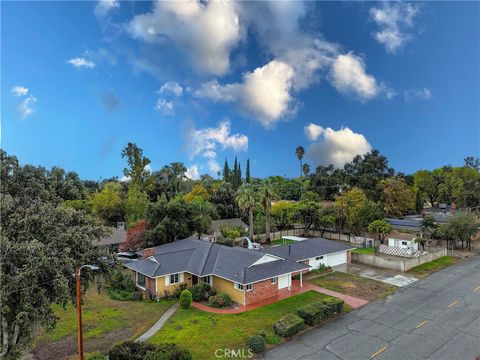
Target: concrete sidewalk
159, 324
384, 275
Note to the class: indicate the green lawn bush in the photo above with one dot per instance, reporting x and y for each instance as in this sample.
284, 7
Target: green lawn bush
220, 300
178, 291
334, 306
288, 325
130, 350
256, 343
199, 291
185, 299
168, 352
313, 314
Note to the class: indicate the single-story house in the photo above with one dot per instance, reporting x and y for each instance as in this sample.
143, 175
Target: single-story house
233, 222
112, 242
246, 275
402, 240
314, 252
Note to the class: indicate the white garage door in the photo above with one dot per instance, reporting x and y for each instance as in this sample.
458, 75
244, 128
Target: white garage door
283, 281
335, 259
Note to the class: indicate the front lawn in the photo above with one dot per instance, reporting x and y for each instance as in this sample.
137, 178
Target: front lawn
202, 332
433, 266
354, 285
368, 251
105, 322
283, 242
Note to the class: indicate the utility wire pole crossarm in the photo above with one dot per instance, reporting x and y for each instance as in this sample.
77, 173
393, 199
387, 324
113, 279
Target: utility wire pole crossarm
79, 307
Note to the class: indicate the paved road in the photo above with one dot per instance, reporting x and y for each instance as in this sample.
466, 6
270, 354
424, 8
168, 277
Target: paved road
434, 318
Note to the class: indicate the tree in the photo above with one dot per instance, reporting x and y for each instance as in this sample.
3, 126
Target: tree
198, 192
202, 213
350, 204
223, 198
307, 210
282, 214
136, 203
306, 169
267, 194
247, 172
327, 218
368, 213
226, 172
169, 180
428, 229
300, 151
246, 199
472, 162
41, 244
427, 184
327, 181
397, 197
462, 227
108, 205
135, 239
381, 229
137, 169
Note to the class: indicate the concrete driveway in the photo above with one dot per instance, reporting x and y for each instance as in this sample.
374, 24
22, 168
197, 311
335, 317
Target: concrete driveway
437, 317
384, 275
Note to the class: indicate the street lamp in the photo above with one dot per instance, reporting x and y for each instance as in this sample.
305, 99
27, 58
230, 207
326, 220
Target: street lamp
79, 307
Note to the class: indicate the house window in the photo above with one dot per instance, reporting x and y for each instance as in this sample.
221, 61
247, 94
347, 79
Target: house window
238, 286
274, 280
206, 280
404, 243
319, 258
174, 279
141, 280
249, 287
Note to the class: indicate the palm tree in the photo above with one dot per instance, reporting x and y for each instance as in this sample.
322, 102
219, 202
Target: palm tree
306, 169
267, 194
247, 200
300, 151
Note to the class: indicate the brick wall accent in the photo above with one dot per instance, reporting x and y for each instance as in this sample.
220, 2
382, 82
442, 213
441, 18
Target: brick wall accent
261, 290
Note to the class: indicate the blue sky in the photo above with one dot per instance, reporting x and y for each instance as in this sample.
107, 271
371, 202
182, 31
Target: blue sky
197, 83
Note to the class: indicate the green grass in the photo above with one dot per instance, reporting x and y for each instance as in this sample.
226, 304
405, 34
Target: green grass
354, 285
368, 251
202, 332
101, 316
435, 265
283, 242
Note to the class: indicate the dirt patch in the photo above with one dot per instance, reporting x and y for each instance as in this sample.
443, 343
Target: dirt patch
67, 347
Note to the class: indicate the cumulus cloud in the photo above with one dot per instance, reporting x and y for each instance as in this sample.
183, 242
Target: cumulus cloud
164, 106
26, 107
417, 94
169, 92
205, 31
336, 147
213, 166
394, 21
313, 131
103, 7
80, 62
171, 87
265, 92
19, 91
193, 172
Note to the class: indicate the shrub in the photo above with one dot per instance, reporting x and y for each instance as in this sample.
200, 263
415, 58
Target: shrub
130, 350
168, 352
178, 291
121, 295
220, 300
118, 279
185, 299
288, 325
256, 343
226, 241
199, 291
334, 306
313, 314
97, 357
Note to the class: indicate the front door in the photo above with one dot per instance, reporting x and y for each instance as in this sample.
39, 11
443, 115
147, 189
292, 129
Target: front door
194, 279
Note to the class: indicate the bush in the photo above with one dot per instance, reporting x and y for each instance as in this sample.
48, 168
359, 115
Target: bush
256, 343
97, 357
288, 325
313, 314
334, 306
178, 291
185, 299
130, 350
220, 300
199, 291
118, 279
226, 241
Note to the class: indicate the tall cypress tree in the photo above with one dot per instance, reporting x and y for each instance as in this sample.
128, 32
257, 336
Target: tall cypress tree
239, 175
234, 176
226, 171
247, 172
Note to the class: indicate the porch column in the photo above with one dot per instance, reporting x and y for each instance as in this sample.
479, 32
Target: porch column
301, 278
289, 281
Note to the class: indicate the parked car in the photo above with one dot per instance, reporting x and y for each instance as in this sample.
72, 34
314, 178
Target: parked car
127, 256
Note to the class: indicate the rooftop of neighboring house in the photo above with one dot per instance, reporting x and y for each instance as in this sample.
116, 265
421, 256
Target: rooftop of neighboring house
116, 237
401, 235
306, 249
233, 222
205, 258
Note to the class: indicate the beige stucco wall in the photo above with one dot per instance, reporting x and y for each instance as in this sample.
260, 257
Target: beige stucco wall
187, 279
222, 285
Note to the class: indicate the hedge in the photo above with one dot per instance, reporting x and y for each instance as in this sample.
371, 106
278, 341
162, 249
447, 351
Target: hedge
334, 306
220, 300
130, 350
313, 314
256, 343
288, 325
199, 290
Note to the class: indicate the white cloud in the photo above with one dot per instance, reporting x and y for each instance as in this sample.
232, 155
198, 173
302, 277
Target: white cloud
264, 93
206, 31
125, 178
104, 6
148, 168
337, 147
164, 106
394, 20
313, 131
213, 166
193, 172
26, 106
80, 62
417, 94
171, 87
19, 91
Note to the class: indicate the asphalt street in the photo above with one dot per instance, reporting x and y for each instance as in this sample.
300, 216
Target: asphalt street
434, 318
